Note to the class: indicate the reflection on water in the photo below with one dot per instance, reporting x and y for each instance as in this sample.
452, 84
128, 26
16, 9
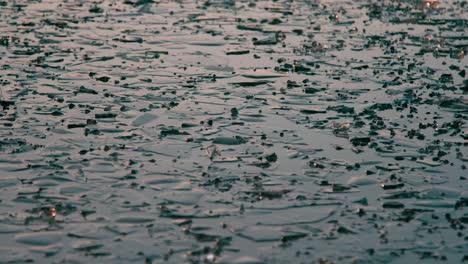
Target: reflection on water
144, 131
428, 4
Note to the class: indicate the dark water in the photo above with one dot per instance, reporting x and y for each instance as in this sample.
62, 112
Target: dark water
233, 131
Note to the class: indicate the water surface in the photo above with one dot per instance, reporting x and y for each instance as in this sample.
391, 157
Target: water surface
146, 131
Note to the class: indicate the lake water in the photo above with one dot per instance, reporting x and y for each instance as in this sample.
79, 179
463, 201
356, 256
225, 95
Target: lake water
285, 131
